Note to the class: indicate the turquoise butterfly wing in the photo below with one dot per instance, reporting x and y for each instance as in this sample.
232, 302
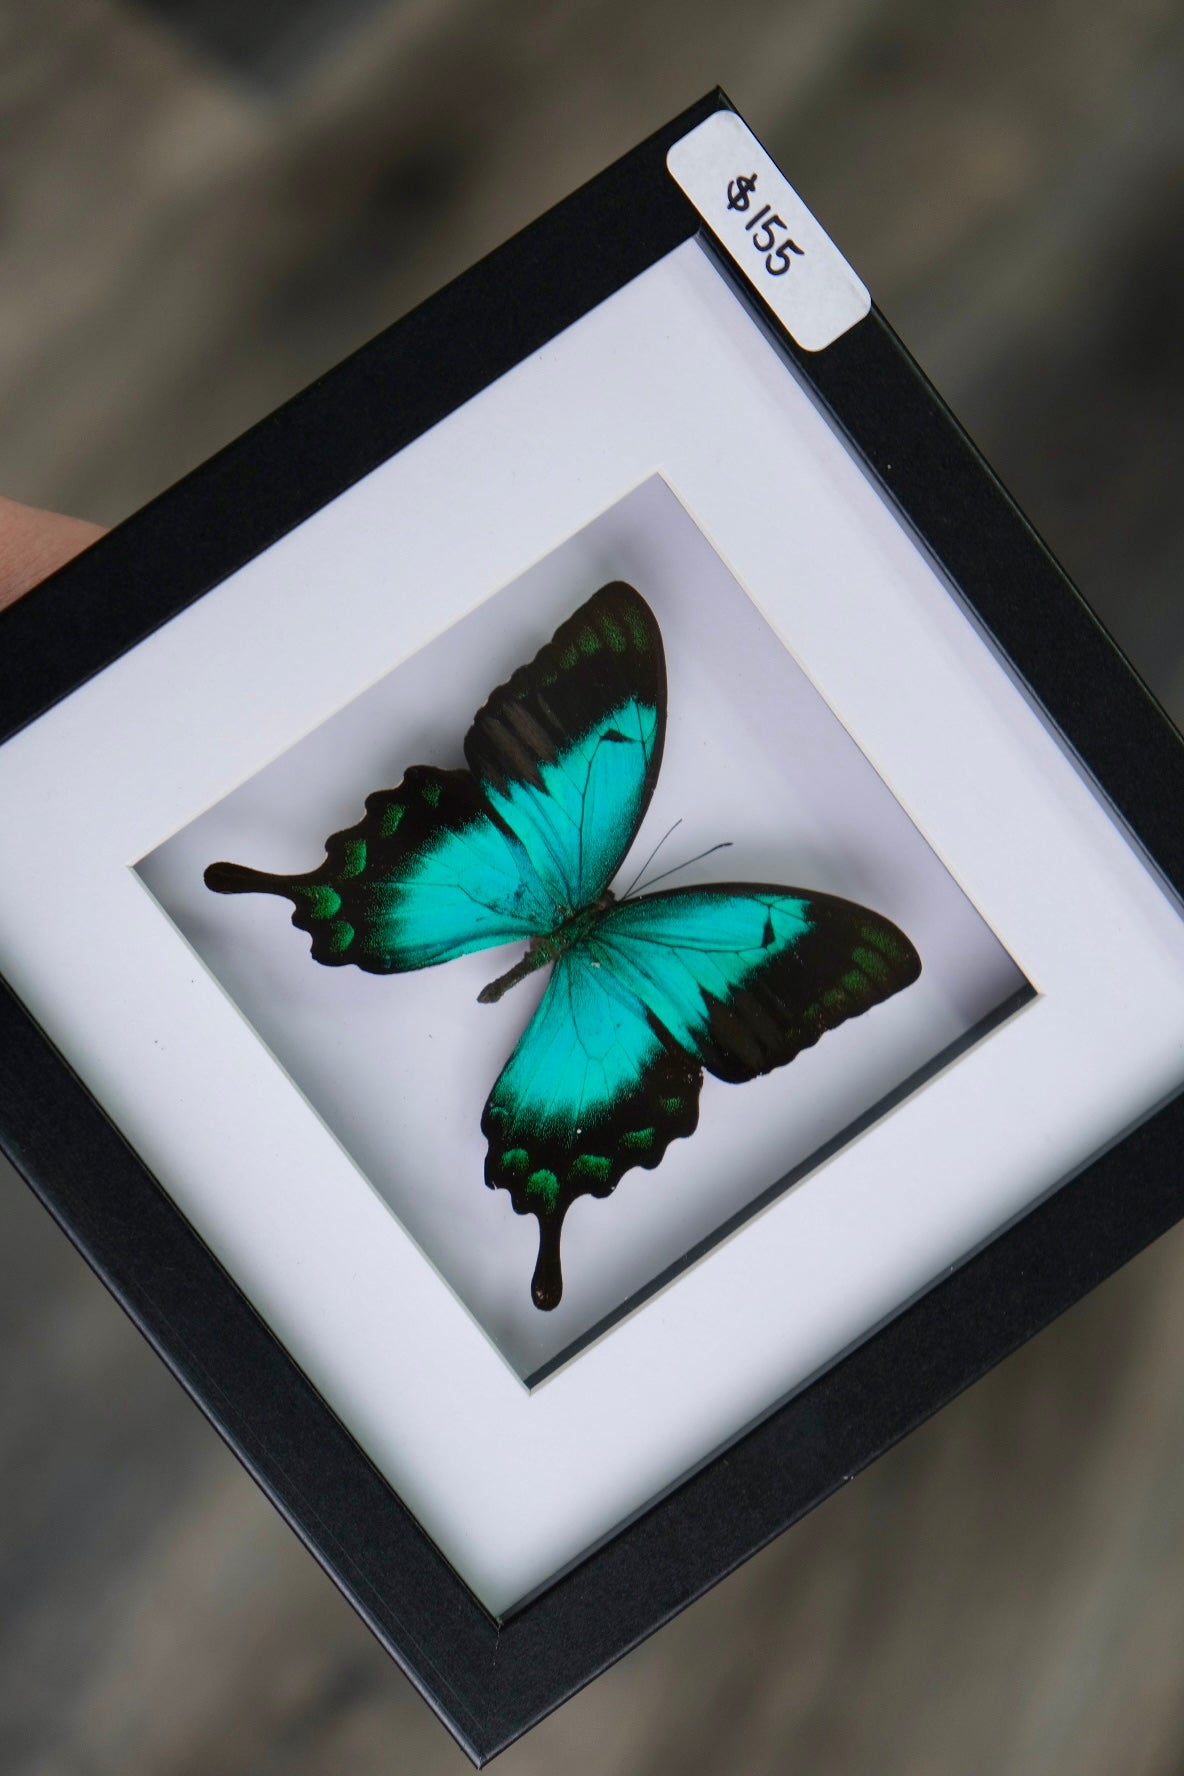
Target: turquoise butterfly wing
567, 753
594, 1086
425, 877
563, 760
736, 979
745, 977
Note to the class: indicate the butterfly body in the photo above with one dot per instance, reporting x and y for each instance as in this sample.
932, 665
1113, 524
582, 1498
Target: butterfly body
576, 928
645, 992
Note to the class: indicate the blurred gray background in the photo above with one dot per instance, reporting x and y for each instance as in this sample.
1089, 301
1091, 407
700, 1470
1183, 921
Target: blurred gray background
204, 204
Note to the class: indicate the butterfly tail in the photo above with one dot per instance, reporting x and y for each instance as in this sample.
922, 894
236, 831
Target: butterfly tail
546, 1285
235, 878
316, 906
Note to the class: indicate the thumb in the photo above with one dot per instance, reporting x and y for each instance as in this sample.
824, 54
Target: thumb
33, 544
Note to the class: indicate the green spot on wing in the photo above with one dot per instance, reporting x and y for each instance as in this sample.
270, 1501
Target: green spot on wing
431, 794
340, 936
872, 964
670, 1105
614, 634
320, 902
637, 1140
590, 1168
883, 941
545, 1184
391, 817
353, 858
637, 628
514, 1158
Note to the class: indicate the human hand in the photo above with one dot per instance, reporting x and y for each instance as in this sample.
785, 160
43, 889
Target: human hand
33, 544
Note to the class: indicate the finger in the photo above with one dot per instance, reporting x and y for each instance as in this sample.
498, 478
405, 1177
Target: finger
33, 544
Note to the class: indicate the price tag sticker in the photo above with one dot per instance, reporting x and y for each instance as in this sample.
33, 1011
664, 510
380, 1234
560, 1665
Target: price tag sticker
760, 220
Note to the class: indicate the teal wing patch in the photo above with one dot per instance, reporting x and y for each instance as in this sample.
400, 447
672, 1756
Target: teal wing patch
567, 752
745, 977
592, 1089
429, 874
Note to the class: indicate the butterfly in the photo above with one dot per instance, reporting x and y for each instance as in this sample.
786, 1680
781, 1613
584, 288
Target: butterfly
645, 991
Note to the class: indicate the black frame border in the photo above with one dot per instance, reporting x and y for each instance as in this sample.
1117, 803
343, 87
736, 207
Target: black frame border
490, 1682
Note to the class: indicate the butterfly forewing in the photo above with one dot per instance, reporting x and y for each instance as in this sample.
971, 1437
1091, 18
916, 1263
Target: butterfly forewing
745, 977
567, 752
564, 758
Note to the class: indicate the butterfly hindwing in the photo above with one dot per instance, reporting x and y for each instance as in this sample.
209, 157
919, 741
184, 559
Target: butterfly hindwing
429, 874
738, 979
592, 1089
744, 977
567, 751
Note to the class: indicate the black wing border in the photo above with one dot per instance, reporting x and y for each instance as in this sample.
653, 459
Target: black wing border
546, 704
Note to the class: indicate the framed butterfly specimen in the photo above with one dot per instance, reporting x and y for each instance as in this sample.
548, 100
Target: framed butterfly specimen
843, 1184
645, 991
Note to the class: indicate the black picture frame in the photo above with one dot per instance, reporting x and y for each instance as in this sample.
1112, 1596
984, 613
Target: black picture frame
489, 1681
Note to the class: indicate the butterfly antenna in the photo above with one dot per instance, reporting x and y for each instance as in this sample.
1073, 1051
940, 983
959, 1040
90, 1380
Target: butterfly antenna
723, 845
650, 859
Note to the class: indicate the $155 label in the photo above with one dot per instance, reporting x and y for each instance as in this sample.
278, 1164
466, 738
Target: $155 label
764, 237
761, 224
